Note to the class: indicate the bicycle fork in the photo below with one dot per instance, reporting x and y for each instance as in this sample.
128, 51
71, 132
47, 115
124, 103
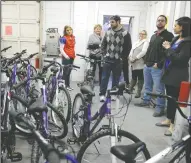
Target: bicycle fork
113, 137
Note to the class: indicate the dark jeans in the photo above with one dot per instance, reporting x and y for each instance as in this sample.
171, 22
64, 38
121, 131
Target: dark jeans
126, 70
67, 71
137, 74
171, 107
115, 68
100, 70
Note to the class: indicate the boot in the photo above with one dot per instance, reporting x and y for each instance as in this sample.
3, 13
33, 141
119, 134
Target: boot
170, 130
132, 84
140, 86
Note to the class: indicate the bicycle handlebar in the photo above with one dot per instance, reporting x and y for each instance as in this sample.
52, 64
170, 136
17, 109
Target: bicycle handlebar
97, 60
5, 49
170, 98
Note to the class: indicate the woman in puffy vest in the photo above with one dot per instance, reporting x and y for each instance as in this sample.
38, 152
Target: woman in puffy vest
67, 49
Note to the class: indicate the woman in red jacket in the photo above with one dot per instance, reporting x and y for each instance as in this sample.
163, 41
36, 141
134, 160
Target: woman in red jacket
67, 46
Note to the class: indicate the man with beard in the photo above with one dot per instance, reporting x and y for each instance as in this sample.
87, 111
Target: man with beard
115, 46
154, 60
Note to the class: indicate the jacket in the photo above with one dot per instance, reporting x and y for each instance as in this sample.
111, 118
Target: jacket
138, 51
94, 45
69, 45
178, 69
155, 52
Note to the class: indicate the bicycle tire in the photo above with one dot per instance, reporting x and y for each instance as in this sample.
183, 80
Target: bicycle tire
69, 101
35, 152
63, 121
79, 95
177, 158
103, 133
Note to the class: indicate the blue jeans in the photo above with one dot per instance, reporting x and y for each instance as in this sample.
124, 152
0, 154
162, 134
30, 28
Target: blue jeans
152, 76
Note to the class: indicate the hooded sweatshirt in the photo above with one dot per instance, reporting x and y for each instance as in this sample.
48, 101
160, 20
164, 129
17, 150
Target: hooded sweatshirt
116, 43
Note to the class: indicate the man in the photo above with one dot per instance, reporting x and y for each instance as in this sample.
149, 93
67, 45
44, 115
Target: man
154, 59
116, 45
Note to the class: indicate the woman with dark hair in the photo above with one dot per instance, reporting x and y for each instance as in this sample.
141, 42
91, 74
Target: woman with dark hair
176, 65
67, 49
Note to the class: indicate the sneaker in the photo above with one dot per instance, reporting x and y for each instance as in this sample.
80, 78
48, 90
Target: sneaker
158, 114
69, 88
102, 99
113, 98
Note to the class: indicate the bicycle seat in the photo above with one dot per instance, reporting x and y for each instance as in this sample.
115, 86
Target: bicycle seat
54, 69
37, 106
127, 153
87, 90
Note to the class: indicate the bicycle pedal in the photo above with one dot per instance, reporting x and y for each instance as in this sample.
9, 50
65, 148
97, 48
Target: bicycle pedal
16, 156
72, 141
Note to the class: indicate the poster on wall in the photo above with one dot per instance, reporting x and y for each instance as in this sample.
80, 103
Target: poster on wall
8, 30
124, 22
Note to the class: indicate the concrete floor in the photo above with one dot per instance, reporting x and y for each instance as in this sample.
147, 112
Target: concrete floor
139, 121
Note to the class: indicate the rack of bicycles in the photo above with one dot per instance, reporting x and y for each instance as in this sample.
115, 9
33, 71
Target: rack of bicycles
44, 112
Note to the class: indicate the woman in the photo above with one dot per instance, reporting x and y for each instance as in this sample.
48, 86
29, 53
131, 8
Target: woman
67, 45
94, 44
136, 61
175, 68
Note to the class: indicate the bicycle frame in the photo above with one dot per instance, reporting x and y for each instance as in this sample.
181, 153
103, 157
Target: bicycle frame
105, 110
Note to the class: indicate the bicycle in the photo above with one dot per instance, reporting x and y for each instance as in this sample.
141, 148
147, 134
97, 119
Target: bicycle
111, 132
8, 140
127, 153
89, 77
55, 86
51, 154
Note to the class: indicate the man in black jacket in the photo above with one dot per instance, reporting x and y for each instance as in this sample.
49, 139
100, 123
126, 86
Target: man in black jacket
154, 60
116, 45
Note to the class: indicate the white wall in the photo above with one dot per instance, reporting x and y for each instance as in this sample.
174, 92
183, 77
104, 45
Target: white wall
172, 9
83, 15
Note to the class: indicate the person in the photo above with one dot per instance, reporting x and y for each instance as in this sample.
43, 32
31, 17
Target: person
136, 55
154, 59
94, 46
175, 69
67, 49
115, 46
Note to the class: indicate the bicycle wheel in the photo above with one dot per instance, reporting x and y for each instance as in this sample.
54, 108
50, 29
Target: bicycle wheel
63, 102
92, 154
60, 125
36, 153
183, 156
78, 115
21, 127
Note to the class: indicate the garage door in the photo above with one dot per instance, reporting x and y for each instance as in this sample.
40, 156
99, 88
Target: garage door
20, 26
